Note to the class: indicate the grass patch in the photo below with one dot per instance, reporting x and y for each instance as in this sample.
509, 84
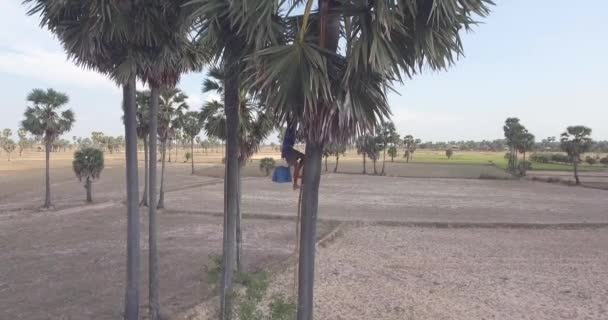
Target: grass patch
488, 158
250, 291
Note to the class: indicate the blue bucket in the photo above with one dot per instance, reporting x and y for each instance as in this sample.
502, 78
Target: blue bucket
281, 174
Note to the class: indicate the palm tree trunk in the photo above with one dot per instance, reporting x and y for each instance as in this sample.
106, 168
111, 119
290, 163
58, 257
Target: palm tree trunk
578, 181
239, 216
47, 181
144, 198
153, 293
161, 193
231, 103
192, 154
329, 34
165, 146
133, 272
364, 168
337, 159
308, 229
88, 187
383, 160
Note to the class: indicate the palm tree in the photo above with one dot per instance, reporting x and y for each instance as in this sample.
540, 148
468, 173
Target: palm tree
142, 99
335, 95
575, 141
9, 146
172, 104
124, 39
23, 140
254, 127
45, 118
192, 125
410, 146
88, 164
388, 135
392, 152
525, 144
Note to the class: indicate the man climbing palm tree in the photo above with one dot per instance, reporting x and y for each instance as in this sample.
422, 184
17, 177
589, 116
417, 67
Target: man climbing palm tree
293, 157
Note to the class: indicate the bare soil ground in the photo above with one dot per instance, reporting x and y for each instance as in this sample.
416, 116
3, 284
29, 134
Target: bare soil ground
69, 263
521, 249
398, 273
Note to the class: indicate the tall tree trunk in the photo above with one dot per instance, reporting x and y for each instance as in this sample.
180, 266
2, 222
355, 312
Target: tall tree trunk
364, 168
326, 163
375, 167
231, 103
168, 142
133, 272
47, 181
308, 229
239, 217
144, 198
192, 154
176, 144
329, 34
337, 159
383, 160
161, 193
575, 162
88, 187
153, 293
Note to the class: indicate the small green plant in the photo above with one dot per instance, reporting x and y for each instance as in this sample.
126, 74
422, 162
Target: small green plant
449, 153
188, 156
266, 165
215, 269
590, 160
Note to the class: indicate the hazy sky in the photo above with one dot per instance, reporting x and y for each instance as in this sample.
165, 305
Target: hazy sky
544, 61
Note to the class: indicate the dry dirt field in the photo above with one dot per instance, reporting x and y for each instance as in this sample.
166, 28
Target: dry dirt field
425, 242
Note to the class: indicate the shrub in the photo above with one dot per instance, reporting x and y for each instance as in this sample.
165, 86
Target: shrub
449, 153
559, 157
524, 166
540, 157
590, 160
604, 160
188, 156
266, 165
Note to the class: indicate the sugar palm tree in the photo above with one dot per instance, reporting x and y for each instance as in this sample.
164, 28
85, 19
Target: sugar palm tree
9, 146
254, 127
192, 123
575, 141
45, 118
87, 165
172, 105
123, 39
142, 99
336, 94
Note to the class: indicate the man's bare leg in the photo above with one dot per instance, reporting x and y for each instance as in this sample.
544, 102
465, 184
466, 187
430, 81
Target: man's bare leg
296, 174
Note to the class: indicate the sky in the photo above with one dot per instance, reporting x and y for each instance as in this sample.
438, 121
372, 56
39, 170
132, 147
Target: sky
543, 61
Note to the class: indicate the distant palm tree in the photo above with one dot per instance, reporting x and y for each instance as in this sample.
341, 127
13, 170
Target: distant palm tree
9, 146
192, 123
392, 152
87, 165
44, 118
254, 127
171, 107
575, 141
